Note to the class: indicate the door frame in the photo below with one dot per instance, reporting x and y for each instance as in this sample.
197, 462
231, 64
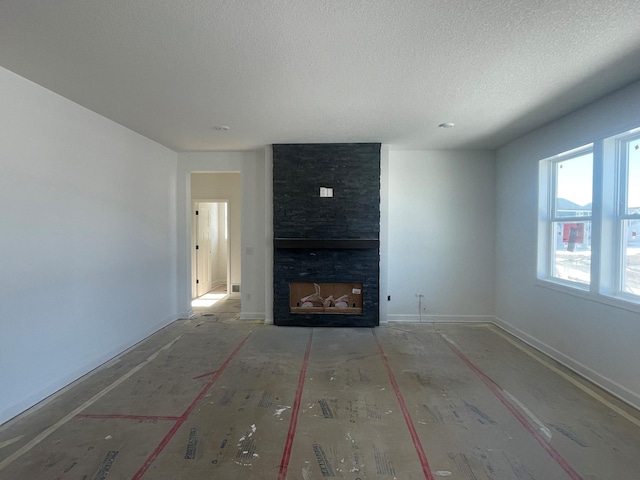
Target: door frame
193, 239
205, 162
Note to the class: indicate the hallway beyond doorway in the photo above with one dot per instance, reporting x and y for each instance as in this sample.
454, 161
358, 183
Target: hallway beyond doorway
215, 303
210, 298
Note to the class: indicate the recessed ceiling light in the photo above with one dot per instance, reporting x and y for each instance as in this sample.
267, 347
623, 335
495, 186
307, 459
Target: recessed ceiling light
222, 128
447, 125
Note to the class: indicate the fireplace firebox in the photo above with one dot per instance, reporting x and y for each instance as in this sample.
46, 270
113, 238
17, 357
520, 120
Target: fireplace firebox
325, 298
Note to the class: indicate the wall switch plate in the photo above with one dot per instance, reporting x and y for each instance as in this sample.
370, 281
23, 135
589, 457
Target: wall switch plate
326, 192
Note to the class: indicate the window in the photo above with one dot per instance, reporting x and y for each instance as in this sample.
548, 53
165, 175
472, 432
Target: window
568, 229
589, 218
628, 218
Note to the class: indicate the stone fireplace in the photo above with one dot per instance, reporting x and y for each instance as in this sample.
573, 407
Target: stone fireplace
326, 224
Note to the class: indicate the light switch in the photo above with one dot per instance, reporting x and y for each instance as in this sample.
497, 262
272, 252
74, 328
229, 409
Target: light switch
326, 192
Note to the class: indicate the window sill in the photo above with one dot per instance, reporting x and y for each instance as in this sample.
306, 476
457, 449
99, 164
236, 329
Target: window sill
617, 302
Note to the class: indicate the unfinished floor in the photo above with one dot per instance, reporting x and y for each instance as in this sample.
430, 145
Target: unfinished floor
217, 398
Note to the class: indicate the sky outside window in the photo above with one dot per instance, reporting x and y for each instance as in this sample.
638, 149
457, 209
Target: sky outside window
633, 187
575, 179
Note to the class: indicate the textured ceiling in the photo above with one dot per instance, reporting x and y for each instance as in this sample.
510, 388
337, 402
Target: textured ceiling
293, 71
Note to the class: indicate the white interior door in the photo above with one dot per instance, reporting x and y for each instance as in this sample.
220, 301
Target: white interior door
210, 259
203, 248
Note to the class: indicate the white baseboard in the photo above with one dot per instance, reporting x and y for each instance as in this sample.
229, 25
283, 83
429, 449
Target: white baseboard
413, 318
604, 382
252, 316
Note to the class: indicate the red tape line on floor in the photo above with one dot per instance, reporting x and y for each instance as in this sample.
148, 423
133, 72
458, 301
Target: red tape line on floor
187, 412
117, 416
405, 413
286, 454
497, 391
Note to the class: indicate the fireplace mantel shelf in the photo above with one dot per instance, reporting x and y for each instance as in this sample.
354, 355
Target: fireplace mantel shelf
326, 243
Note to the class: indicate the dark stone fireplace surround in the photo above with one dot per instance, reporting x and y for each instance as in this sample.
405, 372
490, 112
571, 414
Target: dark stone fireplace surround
320, 239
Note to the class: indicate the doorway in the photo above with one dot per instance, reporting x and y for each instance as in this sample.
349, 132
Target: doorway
210, 248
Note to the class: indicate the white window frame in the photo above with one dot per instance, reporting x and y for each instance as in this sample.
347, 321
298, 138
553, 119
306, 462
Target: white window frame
548, 176
622, 212
608, 216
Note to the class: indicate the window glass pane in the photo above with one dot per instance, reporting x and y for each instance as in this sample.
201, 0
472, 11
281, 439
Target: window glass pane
571, 251
633, 181
631, 257
574, 185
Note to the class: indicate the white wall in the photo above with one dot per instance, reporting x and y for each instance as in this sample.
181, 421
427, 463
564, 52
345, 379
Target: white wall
87, 249
441, 235
597, 339
384, 234
221, 265
214, 234
267, 250
253, 236
251, 166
